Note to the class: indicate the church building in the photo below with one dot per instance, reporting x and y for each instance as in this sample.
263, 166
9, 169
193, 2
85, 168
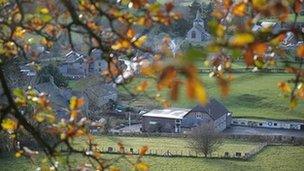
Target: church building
198, 34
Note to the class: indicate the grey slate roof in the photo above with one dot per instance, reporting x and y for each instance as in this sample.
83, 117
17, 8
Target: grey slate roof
213, 108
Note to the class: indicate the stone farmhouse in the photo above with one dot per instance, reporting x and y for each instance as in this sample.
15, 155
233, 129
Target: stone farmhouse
198, 34
177, 120
77, 66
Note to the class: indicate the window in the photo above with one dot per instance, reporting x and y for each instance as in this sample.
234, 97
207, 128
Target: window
178, 121
193, 34
275, 124
260, 124
199, 116
152, 123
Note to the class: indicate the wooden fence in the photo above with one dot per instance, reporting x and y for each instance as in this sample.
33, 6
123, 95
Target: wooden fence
185, 153
246, 70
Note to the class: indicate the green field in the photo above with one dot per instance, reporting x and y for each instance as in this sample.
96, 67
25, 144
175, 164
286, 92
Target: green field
174, 145
279, 158
252, 95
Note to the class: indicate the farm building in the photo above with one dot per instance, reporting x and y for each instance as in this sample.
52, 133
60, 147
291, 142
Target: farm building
179, 119
268, 123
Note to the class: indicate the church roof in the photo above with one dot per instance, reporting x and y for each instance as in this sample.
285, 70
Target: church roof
198, 17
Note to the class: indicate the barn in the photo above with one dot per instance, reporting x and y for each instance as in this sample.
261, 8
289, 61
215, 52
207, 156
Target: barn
179, 119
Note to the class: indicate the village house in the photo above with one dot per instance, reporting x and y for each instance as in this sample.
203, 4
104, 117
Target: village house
77, 66
179, 120
198, 34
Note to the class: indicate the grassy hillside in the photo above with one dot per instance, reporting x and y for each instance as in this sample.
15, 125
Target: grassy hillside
251, 95
279, 158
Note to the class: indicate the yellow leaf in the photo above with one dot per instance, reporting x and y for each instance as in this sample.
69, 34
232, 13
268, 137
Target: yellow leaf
121, 44
44, 11
220, 30
73, 103
300, 93
259, 4
39, 117
239, 9
300, 51
113, 168
18, 154
19, 32
200, 92
140, 41
62, 136
141, 166
73, 115
241, 39
9, 125
293, 103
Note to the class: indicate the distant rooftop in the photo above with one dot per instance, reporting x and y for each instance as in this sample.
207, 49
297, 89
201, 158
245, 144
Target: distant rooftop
171, 113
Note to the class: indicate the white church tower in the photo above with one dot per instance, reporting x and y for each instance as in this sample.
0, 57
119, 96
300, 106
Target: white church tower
198, 34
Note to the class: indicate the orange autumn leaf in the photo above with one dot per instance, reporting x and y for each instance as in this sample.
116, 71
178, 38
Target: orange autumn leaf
174, 90
259, 48
239, 9
248, 57
278, 39
166, 77
284, 87
227, 3
300, 51
298, 6
142, 87
143, 150
190, 88
196, 90
130, 33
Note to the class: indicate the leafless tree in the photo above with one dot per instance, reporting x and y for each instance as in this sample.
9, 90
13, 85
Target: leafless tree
205, 139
